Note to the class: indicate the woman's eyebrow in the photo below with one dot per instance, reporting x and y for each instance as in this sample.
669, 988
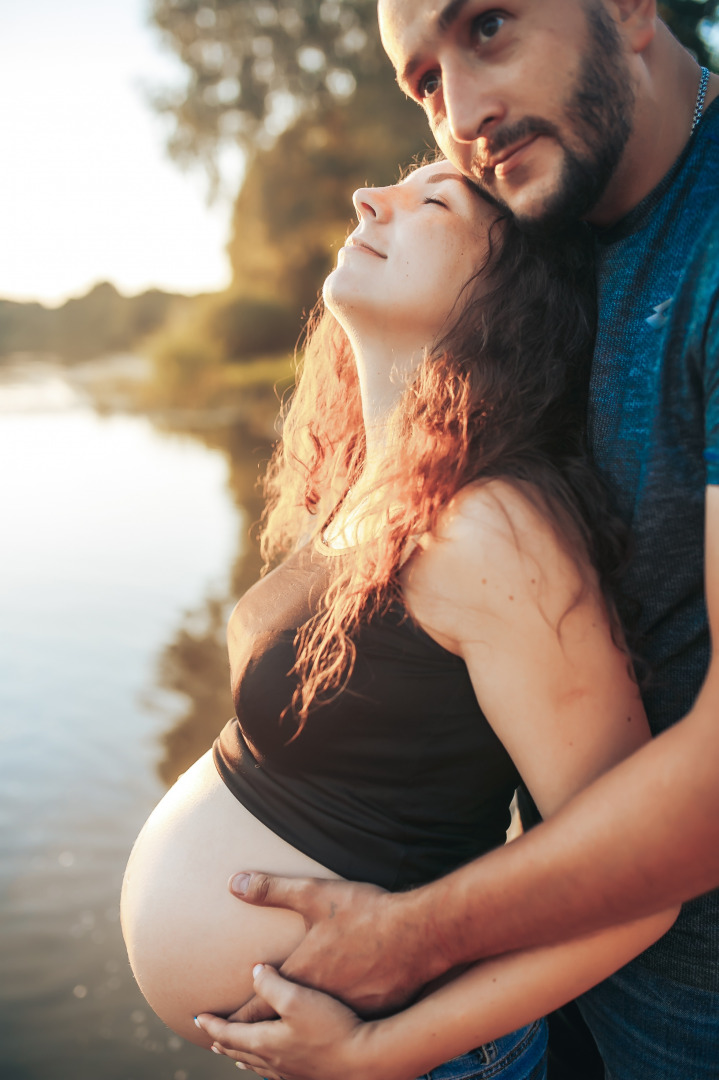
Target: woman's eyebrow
437, 178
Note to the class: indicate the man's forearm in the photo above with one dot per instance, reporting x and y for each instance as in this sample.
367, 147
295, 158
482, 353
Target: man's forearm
641, 838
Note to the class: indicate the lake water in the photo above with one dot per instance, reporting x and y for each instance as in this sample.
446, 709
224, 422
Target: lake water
111, 531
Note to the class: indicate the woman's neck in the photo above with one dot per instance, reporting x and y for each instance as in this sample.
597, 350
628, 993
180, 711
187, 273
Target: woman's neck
383, 374
383, 371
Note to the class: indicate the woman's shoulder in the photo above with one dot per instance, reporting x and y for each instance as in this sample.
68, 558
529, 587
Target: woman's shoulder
498, 517
494, 542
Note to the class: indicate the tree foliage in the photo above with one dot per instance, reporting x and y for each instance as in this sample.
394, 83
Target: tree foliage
254, 69
690, 20
254, 66
97, 324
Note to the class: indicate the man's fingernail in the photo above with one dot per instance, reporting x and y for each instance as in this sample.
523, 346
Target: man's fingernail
240, 883
256, 970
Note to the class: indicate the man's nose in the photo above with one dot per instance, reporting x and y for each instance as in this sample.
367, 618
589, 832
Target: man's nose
470, 110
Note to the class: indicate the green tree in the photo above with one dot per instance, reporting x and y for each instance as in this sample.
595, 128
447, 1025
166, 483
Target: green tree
304, 87
691, 21
308, 93
255, 66
97, 324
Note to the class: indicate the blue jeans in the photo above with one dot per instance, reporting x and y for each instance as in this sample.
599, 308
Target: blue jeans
649, 1026
522, 1055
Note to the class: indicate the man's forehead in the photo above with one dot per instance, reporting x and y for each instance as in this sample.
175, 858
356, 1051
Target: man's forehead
409, 27
404, 24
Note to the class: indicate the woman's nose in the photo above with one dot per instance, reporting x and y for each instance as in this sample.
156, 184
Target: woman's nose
371, 202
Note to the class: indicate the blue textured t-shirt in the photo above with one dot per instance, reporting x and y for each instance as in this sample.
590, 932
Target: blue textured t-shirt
654, 431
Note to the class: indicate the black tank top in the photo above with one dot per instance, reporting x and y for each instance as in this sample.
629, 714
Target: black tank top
397, 780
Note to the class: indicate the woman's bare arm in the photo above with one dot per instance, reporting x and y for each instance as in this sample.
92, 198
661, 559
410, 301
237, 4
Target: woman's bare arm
498, 588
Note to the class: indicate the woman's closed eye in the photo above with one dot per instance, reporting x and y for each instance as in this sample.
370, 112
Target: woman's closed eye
436, 202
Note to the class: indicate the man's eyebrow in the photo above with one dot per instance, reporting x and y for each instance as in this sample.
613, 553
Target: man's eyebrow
450, 14
446, 18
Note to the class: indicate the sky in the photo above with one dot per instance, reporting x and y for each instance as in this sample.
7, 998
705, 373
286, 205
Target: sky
87, 191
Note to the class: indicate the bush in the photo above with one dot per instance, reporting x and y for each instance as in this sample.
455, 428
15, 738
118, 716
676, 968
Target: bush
246, 327
186, 365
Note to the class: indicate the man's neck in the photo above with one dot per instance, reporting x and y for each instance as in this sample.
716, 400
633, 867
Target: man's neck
666, 96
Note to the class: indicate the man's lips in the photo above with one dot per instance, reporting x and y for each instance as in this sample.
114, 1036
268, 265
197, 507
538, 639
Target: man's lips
508, 159
357, 242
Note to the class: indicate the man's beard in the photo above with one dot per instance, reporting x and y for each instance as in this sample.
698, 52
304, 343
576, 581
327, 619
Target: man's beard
599, 113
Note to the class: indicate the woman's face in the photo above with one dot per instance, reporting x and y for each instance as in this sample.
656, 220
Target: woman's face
417, 243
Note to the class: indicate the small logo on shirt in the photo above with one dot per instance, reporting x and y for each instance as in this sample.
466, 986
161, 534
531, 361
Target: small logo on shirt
661, 315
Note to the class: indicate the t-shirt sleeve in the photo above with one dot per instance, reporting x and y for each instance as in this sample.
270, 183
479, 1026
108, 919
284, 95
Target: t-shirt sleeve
707, 313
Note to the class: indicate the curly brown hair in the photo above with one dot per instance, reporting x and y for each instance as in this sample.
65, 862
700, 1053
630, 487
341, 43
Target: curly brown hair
500, 393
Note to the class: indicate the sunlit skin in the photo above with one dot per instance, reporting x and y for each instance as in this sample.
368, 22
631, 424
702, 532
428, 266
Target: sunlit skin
480, 71
401, 272
402, 269
574, 712
398, 278
646, 833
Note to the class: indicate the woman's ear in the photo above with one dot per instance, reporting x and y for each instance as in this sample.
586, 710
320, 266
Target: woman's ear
636, 21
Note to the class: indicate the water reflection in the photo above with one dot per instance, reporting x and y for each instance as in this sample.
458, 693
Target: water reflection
195, 663
117, 540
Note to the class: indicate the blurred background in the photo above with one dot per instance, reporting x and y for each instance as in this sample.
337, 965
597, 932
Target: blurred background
176, 181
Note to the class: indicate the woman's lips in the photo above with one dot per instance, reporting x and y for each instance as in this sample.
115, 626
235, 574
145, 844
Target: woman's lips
362, 245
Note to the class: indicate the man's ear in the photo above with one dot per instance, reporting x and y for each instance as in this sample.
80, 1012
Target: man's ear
636, 21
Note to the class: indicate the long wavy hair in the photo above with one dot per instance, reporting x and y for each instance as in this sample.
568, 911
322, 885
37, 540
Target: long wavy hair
500, 393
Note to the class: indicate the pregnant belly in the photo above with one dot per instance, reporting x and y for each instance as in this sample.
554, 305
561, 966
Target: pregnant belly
191, 944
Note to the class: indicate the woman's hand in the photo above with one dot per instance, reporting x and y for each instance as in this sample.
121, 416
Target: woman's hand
315, 1037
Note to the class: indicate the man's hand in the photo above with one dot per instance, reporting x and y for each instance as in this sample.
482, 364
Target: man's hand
316, 1038
363, 945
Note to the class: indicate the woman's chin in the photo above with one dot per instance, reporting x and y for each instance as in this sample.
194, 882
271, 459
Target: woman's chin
332, 292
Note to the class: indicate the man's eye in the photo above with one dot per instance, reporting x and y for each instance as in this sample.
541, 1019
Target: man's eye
485, 27
429, 84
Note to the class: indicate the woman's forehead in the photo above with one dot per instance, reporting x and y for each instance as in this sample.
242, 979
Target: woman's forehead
422, 173
436, 172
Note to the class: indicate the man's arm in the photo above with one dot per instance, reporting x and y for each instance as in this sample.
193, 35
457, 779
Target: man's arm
641, 838
318, 1038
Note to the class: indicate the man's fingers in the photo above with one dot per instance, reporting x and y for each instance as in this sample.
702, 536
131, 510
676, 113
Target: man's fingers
269, 890
253, 1010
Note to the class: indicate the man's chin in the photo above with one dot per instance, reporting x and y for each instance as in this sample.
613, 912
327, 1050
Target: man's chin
536, 212
548, 209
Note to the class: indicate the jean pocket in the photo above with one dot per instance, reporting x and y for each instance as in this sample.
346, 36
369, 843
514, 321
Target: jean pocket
518, 1056
466, 1066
